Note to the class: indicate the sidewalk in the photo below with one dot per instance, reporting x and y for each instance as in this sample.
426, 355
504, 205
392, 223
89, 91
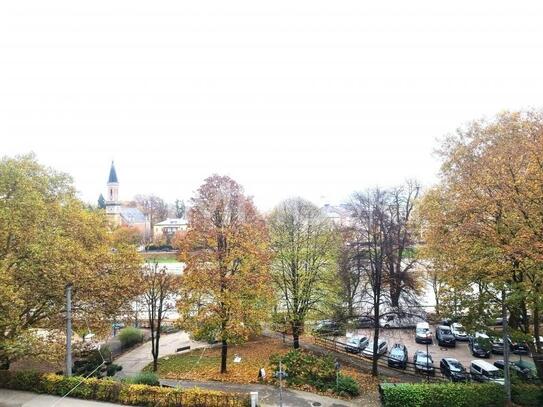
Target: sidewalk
270, 395
134, 361
14, 398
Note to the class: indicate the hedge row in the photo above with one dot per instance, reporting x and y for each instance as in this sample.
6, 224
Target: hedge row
459, 395
118, 392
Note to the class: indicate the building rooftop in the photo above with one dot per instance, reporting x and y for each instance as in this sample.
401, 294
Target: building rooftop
132, 215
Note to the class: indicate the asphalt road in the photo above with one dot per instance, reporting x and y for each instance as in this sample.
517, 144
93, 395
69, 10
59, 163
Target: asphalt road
407, 337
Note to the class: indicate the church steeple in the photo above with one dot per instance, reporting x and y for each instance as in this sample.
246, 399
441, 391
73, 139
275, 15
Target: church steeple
113, 205
112, 174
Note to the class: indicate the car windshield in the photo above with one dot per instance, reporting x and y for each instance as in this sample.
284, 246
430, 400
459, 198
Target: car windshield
424, 359
354, 341
396, 352
456, 366
422, 331
446, 331
495, 374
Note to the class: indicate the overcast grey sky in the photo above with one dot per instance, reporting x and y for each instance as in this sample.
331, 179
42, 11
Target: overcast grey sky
310, 98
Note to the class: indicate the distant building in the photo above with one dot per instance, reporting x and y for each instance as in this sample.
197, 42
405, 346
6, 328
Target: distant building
169, 227
338, 214
120, 215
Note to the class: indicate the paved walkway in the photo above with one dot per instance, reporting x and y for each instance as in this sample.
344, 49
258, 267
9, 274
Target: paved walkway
135, 360
270, 395
14, 398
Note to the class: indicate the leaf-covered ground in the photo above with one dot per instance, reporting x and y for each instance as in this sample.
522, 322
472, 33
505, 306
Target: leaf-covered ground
204, 364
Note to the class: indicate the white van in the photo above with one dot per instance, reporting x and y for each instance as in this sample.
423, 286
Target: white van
483, 371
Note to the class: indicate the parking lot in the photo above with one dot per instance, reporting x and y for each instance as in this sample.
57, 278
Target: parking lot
407, 337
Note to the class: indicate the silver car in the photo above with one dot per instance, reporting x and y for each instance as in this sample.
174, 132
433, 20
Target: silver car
382, 348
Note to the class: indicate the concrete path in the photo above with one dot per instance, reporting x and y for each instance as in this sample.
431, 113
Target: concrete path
135, 360
270, 395
14, 398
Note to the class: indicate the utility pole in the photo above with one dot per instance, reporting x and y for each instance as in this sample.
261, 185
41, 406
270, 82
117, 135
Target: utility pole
506, 375
68, 371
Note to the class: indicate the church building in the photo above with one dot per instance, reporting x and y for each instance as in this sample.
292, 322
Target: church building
120, 215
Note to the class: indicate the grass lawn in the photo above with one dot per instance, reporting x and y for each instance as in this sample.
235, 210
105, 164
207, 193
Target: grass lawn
205, 364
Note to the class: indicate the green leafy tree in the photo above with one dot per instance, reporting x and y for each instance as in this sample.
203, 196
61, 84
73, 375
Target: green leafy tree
304, 248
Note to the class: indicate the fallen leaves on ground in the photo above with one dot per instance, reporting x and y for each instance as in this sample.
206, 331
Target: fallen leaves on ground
204, 365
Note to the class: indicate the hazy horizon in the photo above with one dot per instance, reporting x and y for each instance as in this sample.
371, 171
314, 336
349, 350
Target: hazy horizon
312, 98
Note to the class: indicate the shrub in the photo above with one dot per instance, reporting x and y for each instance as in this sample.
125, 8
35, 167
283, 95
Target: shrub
347, 386
148, 378
118, 392
436, 395
130, 336
527, 395
89, 365
319, 371
112, 369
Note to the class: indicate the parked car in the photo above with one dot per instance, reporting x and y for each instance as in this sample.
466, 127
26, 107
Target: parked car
453, 370
520, 347
400, 320
398, 356
496, 345
328, 327
483, 371
459, 332
423, 362
523, 369
479, 345
423, 333
382, 348
356, 344
498, 321
444, 336
363, 322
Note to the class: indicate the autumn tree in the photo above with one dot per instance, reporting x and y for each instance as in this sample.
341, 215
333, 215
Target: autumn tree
159, 291
304, 248
154, 207
225, 290
128, 235
49, 239
484, 220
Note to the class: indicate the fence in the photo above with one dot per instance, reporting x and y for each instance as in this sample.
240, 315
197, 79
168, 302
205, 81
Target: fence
339, 347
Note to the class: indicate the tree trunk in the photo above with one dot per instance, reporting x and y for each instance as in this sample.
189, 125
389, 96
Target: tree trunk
295, 335
374, 371
224, 354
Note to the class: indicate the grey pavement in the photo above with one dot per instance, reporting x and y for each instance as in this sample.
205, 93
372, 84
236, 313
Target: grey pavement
270, 395
135, 360
15, 398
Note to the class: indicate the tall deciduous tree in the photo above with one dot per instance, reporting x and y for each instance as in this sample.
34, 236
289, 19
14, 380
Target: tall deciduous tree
159, 291
48, 239
225, 292
304, 248
369, 213
484, 222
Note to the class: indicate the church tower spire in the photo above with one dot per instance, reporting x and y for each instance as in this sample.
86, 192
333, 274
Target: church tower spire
113, 205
